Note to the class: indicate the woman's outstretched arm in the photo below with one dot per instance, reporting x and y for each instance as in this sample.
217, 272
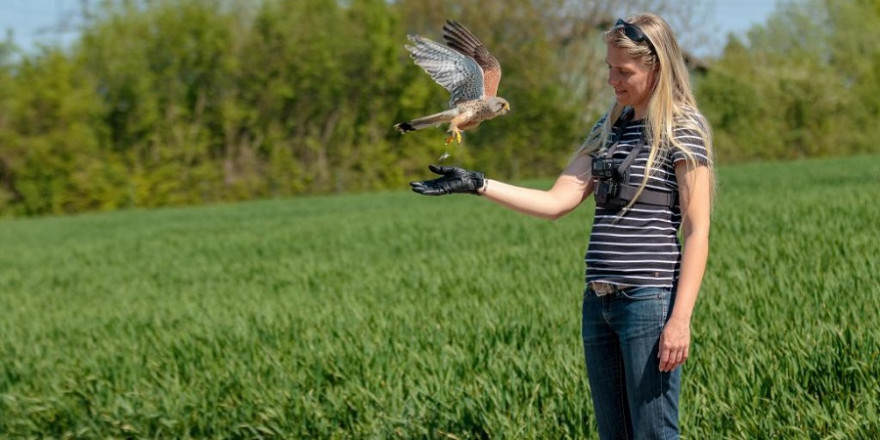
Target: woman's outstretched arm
570, 189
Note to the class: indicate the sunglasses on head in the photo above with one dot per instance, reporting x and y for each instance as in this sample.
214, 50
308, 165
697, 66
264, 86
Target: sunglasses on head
634, 33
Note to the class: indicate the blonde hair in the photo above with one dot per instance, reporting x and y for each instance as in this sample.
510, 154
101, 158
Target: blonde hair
672, 102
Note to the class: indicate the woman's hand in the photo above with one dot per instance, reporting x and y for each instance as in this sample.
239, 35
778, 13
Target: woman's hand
453, 180
675, 341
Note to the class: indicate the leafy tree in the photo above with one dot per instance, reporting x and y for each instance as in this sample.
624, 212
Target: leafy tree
7, 137
172, 102
51, 151
803, 85
164, 73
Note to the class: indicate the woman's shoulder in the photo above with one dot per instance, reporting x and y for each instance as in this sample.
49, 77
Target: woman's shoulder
692, 135
691, 118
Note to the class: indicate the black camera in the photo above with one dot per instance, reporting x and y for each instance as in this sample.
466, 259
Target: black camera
607, 169
609, 179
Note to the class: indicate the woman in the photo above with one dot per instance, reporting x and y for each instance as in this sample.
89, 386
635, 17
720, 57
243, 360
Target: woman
648, 162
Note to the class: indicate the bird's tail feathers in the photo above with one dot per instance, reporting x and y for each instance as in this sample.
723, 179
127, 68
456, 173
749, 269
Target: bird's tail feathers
427, 121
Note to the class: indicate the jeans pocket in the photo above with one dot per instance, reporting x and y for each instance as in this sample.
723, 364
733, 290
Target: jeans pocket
646, 293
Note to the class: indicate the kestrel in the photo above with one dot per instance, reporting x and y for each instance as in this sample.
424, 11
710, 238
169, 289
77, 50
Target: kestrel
468, 71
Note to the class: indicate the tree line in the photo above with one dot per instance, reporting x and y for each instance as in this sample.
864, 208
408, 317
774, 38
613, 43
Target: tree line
182, 102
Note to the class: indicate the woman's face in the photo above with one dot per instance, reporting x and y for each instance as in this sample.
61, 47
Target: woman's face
633, 82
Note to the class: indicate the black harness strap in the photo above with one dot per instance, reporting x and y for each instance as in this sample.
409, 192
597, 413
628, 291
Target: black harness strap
648, 196
627, 192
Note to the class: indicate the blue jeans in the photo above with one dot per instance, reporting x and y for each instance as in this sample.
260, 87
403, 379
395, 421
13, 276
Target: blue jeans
632, 398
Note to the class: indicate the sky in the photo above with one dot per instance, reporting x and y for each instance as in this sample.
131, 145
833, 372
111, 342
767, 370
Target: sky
54, 22
737, 16
50, 22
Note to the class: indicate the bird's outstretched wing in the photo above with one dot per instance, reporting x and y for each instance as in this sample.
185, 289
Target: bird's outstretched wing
461, 39
455, 71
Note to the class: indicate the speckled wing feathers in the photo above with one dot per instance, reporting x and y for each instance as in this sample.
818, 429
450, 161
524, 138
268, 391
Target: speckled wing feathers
456, 72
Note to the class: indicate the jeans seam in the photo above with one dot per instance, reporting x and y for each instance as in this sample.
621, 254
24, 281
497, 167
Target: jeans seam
662, 407
663, 376
622, 391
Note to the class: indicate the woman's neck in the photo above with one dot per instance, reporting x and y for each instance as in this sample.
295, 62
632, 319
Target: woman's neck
640, 112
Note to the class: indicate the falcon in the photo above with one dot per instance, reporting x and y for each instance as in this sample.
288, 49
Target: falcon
468, 71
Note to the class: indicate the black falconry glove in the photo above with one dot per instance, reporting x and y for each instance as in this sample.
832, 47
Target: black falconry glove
454, 180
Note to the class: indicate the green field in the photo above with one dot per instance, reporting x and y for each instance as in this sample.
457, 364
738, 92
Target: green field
393, 315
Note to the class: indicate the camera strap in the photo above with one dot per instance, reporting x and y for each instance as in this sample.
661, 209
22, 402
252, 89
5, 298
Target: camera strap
616, 132
631, 157
621, 123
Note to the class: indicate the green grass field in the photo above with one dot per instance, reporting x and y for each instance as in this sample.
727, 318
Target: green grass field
399, 316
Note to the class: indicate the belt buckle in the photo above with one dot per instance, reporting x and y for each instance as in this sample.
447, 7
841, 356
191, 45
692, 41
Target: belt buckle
603, 289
